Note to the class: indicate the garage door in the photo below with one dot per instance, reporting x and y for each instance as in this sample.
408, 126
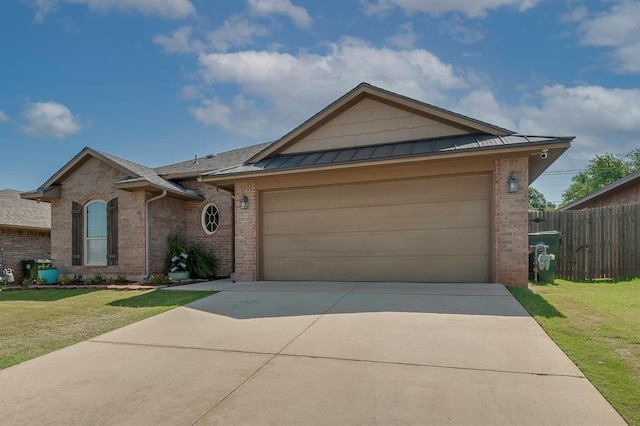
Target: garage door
421, 230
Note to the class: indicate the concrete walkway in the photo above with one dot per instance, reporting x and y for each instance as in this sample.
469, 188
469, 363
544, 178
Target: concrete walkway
314, 353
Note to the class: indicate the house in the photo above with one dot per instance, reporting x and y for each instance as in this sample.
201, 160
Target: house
25, 230
623, 191
374, 187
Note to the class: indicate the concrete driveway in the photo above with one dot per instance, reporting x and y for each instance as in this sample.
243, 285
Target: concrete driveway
314, 353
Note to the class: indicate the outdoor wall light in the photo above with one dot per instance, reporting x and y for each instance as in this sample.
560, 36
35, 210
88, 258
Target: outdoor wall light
512, 183
244, 202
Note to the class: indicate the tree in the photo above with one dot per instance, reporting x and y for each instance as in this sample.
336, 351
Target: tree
601, 171
537, 201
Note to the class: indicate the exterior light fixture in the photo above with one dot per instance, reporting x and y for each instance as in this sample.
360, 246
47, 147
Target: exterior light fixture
512, 183
244, 202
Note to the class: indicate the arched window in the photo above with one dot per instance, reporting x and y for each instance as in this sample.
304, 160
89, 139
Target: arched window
95, 233
210, 218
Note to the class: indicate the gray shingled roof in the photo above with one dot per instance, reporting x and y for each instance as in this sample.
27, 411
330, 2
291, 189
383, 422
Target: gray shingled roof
422, 147
144, 173
16, 212
208, 163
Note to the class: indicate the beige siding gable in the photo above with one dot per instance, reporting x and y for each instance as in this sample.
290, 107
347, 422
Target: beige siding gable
370, 122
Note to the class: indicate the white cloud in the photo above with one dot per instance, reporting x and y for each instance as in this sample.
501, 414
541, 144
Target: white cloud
578, 14
241, 117
235, 31
297, 14
405, 38
619, 29
461, 32
50, 119
174, 9
482, 105
178, 41
3, 117
472, 9
289, 88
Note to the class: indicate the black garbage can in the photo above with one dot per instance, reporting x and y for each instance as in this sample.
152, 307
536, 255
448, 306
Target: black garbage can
28, 268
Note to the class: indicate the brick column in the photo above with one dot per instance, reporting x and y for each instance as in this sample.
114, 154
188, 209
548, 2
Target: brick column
510, 254
246, 237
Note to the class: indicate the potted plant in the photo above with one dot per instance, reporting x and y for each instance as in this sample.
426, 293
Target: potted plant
178, 268
47, 274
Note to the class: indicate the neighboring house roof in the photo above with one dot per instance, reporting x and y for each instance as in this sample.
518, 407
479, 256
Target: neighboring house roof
18, 213
632, 179
218, 161
390, 151
365, 90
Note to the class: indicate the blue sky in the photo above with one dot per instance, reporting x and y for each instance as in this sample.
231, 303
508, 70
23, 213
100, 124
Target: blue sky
159, 81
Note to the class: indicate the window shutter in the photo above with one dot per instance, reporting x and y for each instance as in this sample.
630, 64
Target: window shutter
112, 232
77, 234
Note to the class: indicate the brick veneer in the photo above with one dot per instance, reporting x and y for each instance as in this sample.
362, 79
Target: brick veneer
95, 180
511, 223
246, 232
221, 241
23, 244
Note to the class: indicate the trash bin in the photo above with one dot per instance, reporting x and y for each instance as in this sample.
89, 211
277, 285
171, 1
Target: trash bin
553, 239
28, 268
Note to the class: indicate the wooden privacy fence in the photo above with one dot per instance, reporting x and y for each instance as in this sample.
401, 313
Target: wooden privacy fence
597, 243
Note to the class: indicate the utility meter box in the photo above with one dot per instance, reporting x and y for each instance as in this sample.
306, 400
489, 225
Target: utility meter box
553, 239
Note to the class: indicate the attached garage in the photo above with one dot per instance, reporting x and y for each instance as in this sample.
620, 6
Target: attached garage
433, 229
381, 187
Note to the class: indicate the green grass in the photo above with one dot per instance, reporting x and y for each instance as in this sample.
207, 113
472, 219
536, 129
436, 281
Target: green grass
33, 323
598, 327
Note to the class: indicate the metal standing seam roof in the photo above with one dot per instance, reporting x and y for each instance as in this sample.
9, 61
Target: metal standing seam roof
18, 213
414, 148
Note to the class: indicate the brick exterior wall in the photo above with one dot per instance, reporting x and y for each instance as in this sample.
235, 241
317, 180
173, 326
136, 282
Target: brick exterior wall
167, 216
171, 216
23, 244
246, 236
510, 254
220, 242
94, 180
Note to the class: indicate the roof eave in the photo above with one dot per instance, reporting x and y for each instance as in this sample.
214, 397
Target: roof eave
25, 227
602, 191
138, 185
532, 147
43, 194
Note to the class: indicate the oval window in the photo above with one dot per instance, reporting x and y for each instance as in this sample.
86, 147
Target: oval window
210, 218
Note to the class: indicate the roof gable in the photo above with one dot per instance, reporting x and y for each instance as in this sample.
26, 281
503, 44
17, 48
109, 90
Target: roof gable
417, 114
136, 176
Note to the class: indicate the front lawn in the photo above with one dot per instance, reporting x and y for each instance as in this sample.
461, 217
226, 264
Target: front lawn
33, 323
598, 327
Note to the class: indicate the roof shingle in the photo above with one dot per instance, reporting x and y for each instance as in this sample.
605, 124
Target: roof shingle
18, 213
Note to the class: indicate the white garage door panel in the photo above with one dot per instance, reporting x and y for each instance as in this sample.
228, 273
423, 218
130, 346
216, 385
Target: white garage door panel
424, 230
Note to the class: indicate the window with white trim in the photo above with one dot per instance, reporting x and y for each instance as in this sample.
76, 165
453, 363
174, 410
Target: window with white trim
95, 233
210, 218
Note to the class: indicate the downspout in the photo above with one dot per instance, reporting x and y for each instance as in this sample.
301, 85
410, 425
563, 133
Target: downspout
147, 230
